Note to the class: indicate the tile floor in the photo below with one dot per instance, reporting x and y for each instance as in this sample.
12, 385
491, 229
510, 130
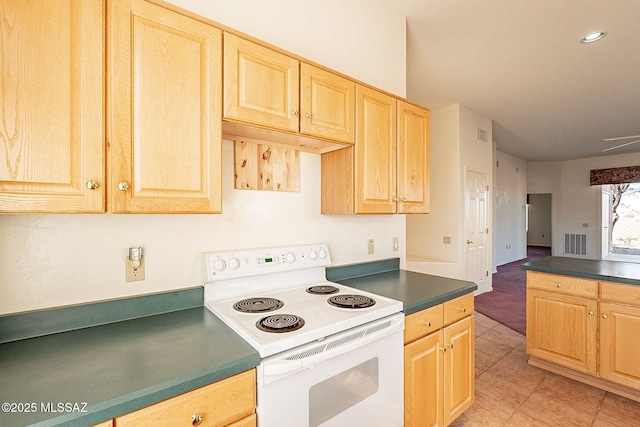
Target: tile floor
509, 392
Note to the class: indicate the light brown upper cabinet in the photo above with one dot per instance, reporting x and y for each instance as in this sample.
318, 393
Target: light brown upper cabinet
165, 111
270, 97
52, 106
261, 85
387, 171
413, 159
327, 104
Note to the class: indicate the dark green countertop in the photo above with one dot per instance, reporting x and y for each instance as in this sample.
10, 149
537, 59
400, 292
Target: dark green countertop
119, 367
614, 271
417, 291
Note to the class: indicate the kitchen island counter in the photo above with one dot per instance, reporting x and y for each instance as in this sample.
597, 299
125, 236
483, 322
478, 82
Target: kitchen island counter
100, 372
417, 291
614, 271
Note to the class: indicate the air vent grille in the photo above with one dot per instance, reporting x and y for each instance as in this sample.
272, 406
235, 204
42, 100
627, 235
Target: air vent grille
575, 244
481, 135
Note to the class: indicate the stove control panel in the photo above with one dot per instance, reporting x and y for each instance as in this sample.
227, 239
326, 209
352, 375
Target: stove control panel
251, 262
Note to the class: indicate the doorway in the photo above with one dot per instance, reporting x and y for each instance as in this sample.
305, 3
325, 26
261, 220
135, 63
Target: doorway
538, 220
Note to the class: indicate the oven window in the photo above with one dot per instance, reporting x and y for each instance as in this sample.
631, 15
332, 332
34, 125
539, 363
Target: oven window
342, 391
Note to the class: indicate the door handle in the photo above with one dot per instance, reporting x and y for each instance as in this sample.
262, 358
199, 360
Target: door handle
469, 242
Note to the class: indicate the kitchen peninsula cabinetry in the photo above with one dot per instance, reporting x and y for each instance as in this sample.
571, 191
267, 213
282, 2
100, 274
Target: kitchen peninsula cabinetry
164, 112
439, 363
230, 402
388, 168
585, 329
562, 324
272, 90
51, 113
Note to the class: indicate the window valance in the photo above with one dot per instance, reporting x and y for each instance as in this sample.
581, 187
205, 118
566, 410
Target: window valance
622, 175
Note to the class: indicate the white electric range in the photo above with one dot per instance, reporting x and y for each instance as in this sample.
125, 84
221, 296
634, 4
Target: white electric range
279, 301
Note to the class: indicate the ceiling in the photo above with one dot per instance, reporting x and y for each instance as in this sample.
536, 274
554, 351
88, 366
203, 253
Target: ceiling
521, 63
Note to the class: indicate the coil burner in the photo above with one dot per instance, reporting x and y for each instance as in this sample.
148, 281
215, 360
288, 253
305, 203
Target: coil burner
280, 323
351, 301
258, 305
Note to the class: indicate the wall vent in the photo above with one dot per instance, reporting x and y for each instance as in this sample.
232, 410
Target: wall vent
575, 244
481, 135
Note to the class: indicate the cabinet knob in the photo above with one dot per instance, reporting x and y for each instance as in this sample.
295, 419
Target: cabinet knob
395, 199
604, 316
462, 309
443, 349
196, 419
427, 323
558, 285
590, 312
92, 185
450, 345
295, 112
309, 115
123, 186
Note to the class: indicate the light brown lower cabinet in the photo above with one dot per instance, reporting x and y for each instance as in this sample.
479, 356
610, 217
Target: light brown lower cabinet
585, 329
230, 402
439, 363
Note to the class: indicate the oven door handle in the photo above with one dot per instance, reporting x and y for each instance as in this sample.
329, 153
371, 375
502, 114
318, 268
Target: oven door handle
282, 367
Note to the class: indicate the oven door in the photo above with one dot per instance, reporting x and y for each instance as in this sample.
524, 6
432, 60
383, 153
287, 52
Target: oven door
352, 378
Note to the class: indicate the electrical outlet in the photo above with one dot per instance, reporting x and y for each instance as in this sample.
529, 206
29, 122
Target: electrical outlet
446, 240
395, 243
370, 246
134, 274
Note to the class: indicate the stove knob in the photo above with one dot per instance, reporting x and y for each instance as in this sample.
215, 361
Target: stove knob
219, 264
234, 263
322, 254
290, 257
313, 255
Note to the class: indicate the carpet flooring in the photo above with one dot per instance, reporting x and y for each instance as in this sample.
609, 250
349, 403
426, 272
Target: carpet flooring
506, 304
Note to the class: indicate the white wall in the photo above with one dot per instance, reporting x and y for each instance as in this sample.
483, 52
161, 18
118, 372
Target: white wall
454, 151
574, 201
510, 199
54, 260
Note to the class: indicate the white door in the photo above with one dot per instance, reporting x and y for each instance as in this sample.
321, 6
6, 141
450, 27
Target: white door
605, 221
476, 191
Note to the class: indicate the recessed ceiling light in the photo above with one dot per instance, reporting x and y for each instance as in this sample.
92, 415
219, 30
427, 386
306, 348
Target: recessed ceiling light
593, 37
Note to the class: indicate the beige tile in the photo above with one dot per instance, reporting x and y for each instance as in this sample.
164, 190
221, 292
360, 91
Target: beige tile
491, 347
484, 360
507, 339
554, 413
522, 420
581, 397
479, 330
484, 321
620, 411
517, 372
506, 330
502, 390
463, 421
488, 412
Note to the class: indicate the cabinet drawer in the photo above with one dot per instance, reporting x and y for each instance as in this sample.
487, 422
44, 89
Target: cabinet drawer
619, 292
458, 308
422, 323
220, 403
562, 284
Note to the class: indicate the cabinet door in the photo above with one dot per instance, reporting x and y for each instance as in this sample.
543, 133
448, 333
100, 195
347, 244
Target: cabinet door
413, 159
51, 106
375, 165
423, 375
261, 86
459, 368
562, 329
327, 104
165, 111
619, 344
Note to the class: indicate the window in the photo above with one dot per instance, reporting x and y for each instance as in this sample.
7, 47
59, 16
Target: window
621, 222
